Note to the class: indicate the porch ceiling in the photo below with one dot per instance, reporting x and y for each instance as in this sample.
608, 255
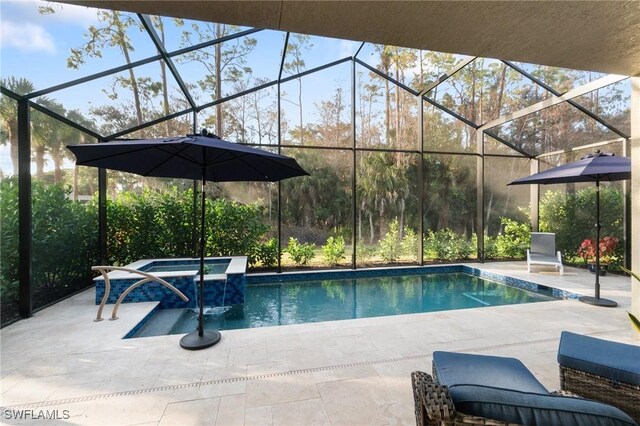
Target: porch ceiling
587, 35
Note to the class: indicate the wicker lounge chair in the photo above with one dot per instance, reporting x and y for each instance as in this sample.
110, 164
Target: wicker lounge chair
486, 390
601, 370
543, 251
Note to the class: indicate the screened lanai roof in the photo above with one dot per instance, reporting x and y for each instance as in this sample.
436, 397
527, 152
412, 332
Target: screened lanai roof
176, 54
586, 35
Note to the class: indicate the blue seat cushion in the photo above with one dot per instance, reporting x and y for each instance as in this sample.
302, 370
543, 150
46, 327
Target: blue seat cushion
484, 370
613, 360
534, 408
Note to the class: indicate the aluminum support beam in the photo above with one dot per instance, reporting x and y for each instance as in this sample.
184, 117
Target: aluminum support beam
25, 247
284, 55
510, 145
573, 103
148, 25
102, 217
534, 197
64, 120
626, 208
463, 63
354, 188
635, 195
539, 106
421, 183
145, 61
480, 194
590, 146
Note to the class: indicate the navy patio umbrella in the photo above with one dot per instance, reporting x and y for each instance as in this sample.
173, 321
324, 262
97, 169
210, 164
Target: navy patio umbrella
204, 157
595, 167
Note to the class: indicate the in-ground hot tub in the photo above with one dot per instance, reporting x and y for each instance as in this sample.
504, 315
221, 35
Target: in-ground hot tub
224, 282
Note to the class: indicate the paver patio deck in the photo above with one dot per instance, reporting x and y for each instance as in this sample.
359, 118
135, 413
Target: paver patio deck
352, 372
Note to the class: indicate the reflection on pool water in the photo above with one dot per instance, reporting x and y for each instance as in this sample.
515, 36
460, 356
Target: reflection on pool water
296, 302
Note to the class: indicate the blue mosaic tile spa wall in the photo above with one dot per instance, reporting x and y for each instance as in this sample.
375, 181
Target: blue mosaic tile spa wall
214, 291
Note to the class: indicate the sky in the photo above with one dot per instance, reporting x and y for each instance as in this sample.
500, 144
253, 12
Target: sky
36, 47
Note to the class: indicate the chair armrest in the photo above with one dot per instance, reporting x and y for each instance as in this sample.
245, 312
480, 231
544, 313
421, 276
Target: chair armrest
433, 404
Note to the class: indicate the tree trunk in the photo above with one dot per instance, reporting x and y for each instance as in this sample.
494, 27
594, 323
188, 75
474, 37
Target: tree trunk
163, 72
300, 103
371, 236
503, 77
401, 220
13, 138
75, 183
56, 155
132, 76
258, 122
387, 109
488, 215
443, 219
39, 153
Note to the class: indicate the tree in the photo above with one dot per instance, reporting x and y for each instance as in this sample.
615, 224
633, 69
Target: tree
225, 62
294, 64
112, 32
46, 137
9, 115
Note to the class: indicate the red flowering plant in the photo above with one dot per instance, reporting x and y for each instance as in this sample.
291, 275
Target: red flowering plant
607, 247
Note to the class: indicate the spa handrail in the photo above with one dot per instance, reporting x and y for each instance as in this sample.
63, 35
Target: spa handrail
107, 287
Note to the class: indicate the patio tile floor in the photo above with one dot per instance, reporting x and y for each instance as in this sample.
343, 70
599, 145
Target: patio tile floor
352, 372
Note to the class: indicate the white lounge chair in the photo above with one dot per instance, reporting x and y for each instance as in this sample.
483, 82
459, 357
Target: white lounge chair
543, 251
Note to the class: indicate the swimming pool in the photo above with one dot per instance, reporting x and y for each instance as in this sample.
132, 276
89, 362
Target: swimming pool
300, 299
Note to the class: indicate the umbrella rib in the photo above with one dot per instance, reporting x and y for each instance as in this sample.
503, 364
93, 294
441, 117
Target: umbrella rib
175, 153
241, 156
106, 157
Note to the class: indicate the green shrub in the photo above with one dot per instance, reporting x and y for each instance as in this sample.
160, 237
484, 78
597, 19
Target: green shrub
154, 224
334, 250
300, 253
514, 240
490, 248
9, 281
571, 216
234, 228
390, 248
365, 252
445, 244
64, 244
266, 253
410, 243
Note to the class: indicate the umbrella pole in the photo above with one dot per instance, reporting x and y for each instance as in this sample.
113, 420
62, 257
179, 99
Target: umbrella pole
201, 339
202, 246
597, 300
597, 239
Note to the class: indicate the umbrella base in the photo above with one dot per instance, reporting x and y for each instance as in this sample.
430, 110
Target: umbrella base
598, 302
194, 342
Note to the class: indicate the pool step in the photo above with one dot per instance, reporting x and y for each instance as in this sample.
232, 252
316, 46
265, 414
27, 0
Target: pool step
163, 321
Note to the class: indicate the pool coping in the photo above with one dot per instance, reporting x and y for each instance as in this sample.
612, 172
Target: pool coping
237, 265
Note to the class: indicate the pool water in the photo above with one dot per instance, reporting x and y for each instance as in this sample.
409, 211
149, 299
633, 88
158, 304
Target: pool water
296, 302
210, 266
